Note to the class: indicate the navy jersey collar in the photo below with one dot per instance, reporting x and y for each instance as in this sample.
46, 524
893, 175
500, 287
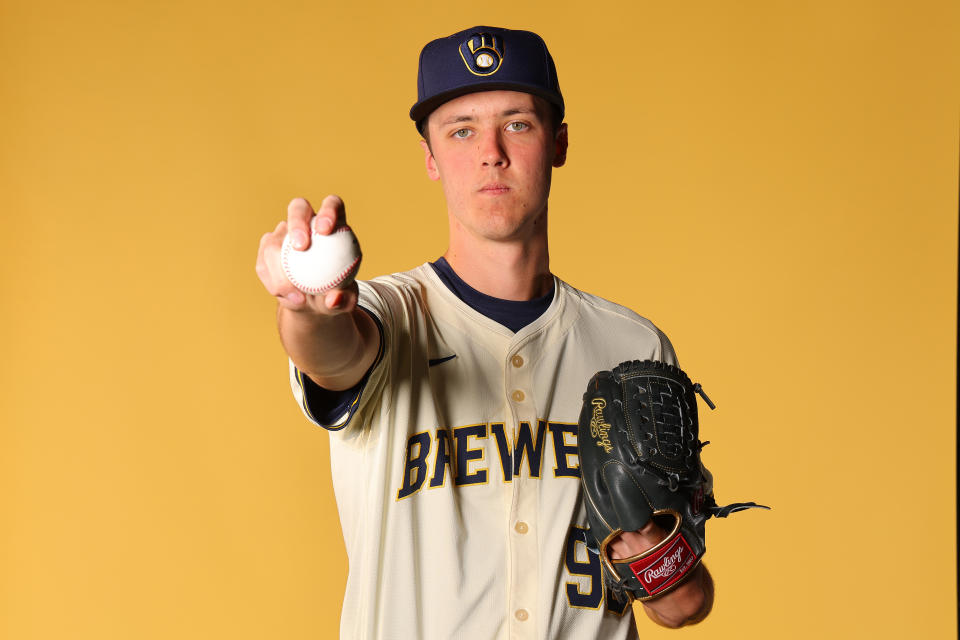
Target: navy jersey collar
513, 314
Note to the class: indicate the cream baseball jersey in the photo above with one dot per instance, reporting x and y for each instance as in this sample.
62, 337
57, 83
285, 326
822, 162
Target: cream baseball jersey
456, 470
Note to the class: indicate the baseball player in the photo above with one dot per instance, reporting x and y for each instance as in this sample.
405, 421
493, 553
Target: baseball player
452, 391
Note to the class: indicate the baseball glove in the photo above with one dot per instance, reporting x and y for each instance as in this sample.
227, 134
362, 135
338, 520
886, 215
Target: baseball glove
640, 459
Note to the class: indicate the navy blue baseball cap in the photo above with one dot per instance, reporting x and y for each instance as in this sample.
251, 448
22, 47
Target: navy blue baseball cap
484, 59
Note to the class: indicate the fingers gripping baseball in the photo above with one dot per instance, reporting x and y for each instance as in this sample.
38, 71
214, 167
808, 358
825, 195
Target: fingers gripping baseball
331, 215
308, 262
303, 222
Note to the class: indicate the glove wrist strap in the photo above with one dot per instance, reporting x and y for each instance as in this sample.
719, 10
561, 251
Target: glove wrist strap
657, 570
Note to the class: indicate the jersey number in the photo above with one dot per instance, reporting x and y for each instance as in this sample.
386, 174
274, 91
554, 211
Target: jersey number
582, 561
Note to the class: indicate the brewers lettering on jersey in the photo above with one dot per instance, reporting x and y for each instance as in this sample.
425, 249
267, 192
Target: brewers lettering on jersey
451, 392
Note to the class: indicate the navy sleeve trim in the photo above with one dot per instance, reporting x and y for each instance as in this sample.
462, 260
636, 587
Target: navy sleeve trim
326, 407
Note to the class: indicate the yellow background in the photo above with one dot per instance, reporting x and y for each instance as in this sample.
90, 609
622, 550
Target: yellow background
773, 183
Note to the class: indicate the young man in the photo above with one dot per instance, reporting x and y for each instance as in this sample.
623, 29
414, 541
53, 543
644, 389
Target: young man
452, 391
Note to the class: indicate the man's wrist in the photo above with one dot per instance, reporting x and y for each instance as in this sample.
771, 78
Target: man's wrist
688, 604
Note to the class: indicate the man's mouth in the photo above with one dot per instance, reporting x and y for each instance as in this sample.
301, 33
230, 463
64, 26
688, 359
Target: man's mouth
494, 188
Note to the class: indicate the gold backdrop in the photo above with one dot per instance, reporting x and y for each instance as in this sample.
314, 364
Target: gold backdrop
773, 183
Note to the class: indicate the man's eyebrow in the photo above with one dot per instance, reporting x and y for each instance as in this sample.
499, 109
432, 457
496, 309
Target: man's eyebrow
517, 110
469, 118
456, 119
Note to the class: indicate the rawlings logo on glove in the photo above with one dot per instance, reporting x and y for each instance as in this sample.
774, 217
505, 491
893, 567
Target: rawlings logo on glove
598, 427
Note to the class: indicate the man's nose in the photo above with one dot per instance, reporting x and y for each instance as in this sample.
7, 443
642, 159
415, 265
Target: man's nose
492, 152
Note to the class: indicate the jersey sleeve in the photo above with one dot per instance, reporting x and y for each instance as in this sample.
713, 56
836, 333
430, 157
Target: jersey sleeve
629, 335
335, 410
667, 353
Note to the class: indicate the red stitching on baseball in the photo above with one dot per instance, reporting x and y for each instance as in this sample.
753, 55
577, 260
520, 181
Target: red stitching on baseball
343, 276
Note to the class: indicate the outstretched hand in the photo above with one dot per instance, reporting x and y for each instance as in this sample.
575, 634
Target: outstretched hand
301, 222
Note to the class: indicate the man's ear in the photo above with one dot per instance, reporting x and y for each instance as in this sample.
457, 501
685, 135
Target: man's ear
428, 160
560, 142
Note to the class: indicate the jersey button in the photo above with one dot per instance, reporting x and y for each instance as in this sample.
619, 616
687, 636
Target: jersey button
521, 614
517, 361
517, 396
521, 527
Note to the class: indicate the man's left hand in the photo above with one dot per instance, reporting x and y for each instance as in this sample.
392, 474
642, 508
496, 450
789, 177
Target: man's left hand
687, 604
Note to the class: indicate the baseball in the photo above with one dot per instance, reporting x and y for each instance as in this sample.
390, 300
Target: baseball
329, 262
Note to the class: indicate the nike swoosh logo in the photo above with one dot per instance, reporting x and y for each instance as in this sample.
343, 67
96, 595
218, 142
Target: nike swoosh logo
437, 361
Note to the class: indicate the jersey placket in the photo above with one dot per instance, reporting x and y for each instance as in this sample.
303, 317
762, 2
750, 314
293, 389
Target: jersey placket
522, 597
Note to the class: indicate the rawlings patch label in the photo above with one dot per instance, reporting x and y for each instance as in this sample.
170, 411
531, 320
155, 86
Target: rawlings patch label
600, 428
662, 569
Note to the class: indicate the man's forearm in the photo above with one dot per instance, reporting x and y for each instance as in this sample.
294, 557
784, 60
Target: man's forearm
334, 350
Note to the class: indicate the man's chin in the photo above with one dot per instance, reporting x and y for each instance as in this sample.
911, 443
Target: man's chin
501, 221
506, 229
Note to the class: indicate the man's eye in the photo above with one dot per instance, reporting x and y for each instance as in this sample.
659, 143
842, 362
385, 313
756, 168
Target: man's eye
517, 126
461, 133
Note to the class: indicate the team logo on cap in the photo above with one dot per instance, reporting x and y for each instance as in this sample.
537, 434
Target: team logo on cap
482, 53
